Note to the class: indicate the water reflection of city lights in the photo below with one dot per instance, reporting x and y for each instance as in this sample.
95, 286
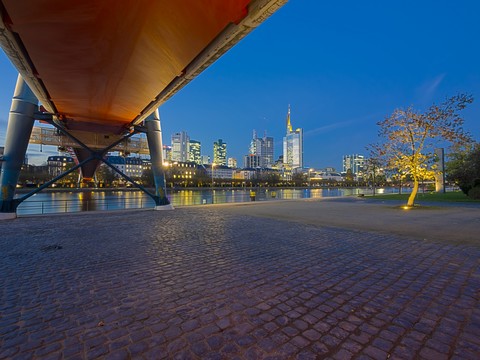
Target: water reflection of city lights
67, 201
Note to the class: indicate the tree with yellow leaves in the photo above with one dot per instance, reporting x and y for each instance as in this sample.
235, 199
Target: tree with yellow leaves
408, 138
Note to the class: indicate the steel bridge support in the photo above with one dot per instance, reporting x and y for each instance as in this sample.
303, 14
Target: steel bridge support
19, 129
154, 138
20, 124
91, 156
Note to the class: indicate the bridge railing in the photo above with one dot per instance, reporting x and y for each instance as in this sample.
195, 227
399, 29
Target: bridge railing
36, 207
180, 198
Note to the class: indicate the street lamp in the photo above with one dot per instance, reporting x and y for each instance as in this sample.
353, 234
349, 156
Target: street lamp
213, 169
310, 177
168, 173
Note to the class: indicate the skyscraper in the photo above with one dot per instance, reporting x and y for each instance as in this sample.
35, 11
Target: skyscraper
220, 152
167, 153
205, 159
194, 152
180, 145
253, 144
267, 151
355, 162
292, 146
263, 148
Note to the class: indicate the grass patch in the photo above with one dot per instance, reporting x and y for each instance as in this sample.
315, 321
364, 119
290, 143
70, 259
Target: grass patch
454, 196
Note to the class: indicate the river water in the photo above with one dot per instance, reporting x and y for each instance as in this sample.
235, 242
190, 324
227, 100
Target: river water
74, 201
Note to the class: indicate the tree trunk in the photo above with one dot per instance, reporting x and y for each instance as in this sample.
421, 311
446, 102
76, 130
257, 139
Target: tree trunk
411, 198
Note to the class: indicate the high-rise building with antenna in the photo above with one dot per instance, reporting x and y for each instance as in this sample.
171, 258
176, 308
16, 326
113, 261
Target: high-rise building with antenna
292, 146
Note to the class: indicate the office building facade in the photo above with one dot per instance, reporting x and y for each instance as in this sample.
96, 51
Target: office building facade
205, 160
251, 161
180, 146
263, 148
355, 163
232, 163
59, 164
167, 153
220, 153
130, 166
194, 152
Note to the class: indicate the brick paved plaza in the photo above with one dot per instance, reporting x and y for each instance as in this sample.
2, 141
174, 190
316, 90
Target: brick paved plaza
215, 283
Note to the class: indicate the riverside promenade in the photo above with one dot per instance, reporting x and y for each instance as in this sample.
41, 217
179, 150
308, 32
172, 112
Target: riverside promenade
312, 279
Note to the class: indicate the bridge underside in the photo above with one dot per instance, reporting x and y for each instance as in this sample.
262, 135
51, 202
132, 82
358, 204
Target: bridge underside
101, 68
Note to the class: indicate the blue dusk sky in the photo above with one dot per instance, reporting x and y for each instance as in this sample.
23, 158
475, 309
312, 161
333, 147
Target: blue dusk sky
341, 65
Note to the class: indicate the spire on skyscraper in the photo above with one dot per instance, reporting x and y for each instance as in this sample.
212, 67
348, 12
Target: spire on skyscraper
292, 146
289, 124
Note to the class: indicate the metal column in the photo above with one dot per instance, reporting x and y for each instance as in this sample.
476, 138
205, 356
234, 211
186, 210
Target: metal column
88, 170
19, 129
154, 138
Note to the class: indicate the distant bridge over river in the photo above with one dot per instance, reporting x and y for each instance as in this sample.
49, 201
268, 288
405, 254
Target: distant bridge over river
51, 136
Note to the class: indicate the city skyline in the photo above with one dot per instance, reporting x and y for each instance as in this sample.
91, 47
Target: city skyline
258, 146
342, 67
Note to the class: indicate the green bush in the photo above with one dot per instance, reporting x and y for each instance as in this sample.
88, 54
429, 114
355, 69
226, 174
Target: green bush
474, 193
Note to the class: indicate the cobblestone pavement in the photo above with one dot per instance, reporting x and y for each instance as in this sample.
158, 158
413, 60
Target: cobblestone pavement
199, 283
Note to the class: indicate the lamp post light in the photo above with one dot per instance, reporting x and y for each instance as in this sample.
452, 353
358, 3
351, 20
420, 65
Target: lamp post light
213, 169
310, 177
168, 174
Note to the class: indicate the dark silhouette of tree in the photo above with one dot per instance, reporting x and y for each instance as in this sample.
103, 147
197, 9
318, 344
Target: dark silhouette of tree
106, 175
299, 179
349, 178
464, 168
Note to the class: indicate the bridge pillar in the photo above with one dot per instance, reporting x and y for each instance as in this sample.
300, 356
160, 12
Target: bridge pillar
154, 139
19, 129
87, 170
